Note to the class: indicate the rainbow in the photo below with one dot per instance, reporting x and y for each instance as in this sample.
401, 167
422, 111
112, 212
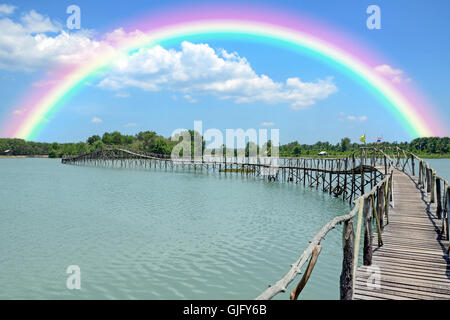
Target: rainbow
272, 26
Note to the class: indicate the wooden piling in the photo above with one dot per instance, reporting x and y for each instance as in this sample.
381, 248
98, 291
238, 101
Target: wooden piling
446, 212
433, 186
367, 257
380, 203
438, 198
346, 279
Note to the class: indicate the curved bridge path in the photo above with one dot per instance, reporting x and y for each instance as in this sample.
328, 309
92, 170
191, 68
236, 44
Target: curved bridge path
409, 260
413, 263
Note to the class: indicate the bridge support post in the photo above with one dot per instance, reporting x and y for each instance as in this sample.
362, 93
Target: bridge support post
385, 166
446, 211
368, 236
380, 204
346, 280
362, 172
421, 174
398, 157
433, 186
344, 195
438, 199
428, 177
387, 193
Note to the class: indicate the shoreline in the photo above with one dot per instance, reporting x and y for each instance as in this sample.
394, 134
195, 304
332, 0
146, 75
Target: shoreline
23, 157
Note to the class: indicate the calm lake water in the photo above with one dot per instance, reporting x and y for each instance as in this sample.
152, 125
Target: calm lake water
442, 167
146, 234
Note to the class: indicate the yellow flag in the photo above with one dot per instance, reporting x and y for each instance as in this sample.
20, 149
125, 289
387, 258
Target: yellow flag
363, 138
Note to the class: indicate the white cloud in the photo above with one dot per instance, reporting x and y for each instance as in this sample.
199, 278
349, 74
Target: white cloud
35, 42
362, 118
189, 98
34, 22
357, 119
198, 69
96, 120
395, 75
267, 124
6, 9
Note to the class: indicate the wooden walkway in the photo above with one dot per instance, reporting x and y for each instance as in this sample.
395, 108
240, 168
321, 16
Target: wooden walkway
413, 262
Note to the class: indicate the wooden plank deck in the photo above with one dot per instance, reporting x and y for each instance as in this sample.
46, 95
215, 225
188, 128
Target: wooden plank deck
413, 261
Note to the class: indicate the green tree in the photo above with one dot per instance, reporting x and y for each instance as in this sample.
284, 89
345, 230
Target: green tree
160, 146
147, 139
117, 138
345, 144
93, 139
107, 138
296, 151
98, 145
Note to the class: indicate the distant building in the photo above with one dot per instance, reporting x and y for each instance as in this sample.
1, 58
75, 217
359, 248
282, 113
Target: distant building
8, 152
323, 153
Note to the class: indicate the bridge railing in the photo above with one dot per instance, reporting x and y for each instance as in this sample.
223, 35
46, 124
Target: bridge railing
370, 208
373, 205
434, 186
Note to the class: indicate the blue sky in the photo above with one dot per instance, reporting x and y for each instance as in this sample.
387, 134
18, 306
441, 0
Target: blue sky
415, 39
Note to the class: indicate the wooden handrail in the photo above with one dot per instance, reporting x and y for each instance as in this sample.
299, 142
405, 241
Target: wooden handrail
350, 259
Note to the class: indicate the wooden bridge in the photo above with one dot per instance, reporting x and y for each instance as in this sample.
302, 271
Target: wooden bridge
342, 177
413, 261
406, 214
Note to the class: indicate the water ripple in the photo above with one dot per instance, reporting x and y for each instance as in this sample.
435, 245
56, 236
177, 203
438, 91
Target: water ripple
146, 234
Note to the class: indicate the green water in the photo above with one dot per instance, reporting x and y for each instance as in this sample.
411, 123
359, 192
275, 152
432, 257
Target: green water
146, 234
442, 167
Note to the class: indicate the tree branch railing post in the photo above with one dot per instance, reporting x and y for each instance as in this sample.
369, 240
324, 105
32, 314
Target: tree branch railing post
421, 174
362, 171
368, 235
377, 221
346, 279
446, 212
380, 205
433, 186
309, 269
398, 158
438, 198
387, 197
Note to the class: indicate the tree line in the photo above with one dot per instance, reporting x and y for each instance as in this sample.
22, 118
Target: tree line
430, 146
150, 141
